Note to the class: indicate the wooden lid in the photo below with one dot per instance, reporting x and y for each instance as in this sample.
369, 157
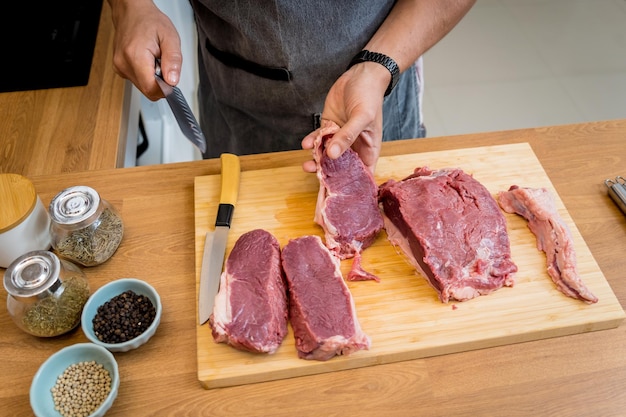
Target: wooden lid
17, 200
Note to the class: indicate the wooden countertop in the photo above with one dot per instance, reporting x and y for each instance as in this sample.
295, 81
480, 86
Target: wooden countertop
578, 375
68, 129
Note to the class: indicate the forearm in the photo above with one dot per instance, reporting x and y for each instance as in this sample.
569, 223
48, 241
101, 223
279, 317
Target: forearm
414, 26
355, 101
122, 7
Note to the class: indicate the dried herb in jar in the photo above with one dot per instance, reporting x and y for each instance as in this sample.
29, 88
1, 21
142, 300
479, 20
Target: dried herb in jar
123, 317
85, 228
54, 314
95, 243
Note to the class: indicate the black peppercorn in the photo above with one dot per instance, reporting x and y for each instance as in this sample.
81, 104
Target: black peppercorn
123, 317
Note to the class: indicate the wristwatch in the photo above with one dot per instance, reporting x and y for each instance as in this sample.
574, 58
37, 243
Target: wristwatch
381, 59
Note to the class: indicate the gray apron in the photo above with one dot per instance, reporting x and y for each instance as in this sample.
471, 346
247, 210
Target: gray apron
266, 67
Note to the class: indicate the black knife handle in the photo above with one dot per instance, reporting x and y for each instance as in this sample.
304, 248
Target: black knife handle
224, 215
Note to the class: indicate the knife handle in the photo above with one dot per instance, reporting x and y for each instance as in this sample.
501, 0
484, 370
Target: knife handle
231, 172
230, 178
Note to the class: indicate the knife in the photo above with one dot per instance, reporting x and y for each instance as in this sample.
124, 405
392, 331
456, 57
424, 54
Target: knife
182, 111
215, 242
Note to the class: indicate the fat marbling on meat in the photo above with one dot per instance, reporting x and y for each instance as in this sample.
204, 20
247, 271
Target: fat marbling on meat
250, 310
553, 237
321, 308
451, 230
347, 207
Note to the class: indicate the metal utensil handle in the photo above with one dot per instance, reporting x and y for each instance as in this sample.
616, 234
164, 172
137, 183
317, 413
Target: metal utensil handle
617, 192
165, 87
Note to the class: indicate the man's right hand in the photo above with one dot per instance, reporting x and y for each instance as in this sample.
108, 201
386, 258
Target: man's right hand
142, 34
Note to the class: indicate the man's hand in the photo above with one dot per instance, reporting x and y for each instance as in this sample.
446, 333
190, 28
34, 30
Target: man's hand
355, 103
143, 34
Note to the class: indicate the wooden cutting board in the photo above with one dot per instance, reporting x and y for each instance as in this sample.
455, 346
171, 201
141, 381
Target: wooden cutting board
402, 313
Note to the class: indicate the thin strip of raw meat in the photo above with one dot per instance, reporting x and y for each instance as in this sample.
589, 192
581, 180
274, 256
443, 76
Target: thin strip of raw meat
321, 308
250, 310
553, 237
450, 228
347, 206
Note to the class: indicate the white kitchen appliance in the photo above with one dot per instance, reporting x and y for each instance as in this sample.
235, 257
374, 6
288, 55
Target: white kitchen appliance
161, 140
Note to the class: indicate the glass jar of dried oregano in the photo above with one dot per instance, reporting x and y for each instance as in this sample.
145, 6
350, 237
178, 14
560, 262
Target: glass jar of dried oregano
46, 294
85, 228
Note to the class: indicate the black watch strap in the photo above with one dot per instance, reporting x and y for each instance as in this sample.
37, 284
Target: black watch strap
382, 59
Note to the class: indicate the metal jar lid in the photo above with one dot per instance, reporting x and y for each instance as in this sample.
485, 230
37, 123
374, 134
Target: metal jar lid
75, 206
34, 274
18, 197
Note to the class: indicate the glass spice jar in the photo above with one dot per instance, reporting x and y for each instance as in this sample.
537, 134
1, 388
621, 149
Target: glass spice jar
85, 228
46, 295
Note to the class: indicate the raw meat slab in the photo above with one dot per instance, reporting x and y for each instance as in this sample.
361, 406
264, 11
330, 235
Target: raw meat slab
402, 313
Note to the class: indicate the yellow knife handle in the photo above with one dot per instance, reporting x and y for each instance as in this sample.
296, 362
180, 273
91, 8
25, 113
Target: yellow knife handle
231, 171
230, 178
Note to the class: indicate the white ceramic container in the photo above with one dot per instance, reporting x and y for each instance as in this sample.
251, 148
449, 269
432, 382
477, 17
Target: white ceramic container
24, 222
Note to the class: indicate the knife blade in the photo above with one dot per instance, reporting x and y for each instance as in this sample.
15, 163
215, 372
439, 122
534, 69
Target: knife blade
182, 112
215, 242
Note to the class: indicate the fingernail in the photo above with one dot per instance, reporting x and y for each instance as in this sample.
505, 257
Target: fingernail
173, 77
334, 151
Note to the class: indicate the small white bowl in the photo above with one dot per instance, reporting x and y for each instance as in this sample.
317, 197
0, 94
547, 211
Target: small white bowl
107, 292
46, 377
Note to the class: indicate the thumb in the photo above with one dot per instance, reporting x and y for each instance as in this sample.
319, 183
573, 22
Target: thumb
171, 59
345, 137
171, 70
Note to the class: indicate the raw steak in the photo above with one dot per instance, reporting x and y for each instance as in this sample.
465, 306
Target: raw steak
553, 237
250, 310
321, 308
450, 228
347, 207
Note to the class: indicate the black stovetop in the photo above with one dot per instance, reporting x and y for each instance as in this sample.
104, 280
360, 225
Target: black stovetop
47, 43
